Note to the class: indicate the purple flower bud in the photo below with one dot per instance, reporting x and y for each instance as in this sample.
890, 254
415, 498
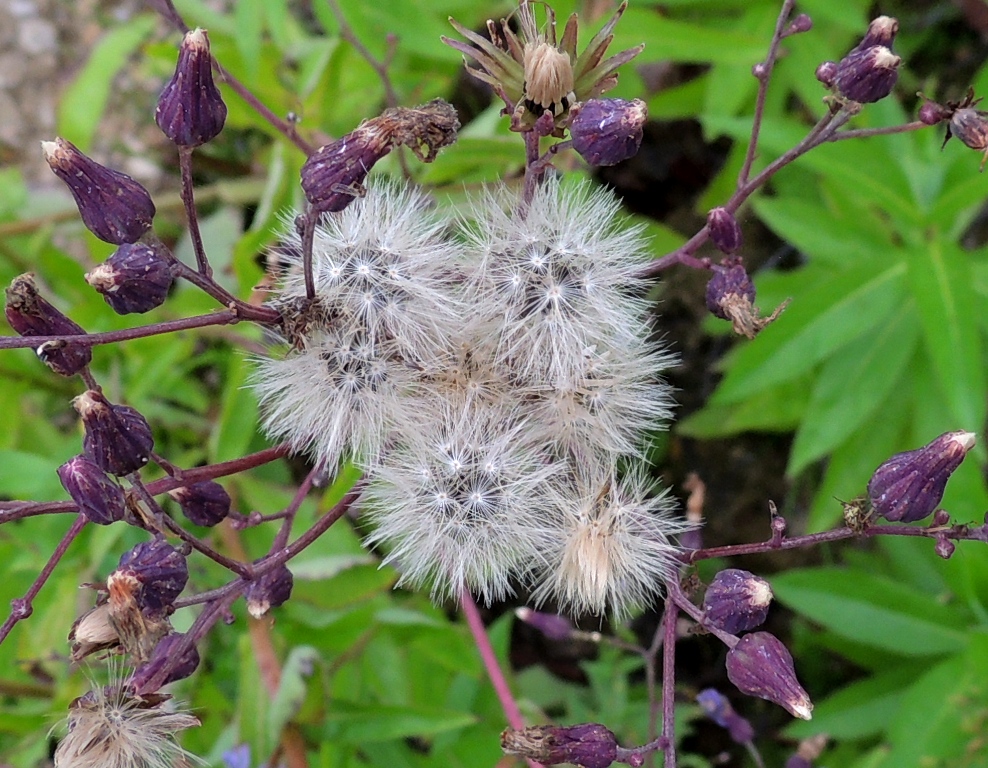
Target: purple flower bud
205, 503
552, 625
932, 113
716, 706
100, 499
729, 286
725, 232
826, 73
589, 745
159, 569
190, 109
113, 206
333, 175
117, 437
607, 131
164, 657
30, 315
940, 518
881, 31
269, 591
971, 127
802, 23
736, 601
136, 278
798, 761
909, 486
944, 547
760, 665
867, 75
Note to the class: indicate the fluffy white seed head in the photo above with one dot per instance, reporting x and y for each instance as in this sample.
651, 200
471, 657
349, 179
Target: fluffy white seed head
109, 728
460, 503
615, 545
557, 278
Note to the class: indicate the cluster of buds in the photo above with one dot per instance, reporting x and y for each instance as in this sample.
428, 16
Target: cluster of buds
870, 70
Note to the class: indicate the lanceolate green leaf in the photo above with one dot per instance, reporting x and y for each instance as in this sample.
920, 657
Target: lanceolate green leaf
837, 312
942, 284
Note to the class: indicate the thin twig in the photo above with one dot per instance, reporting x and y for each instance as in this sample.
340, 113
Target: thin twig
191, 215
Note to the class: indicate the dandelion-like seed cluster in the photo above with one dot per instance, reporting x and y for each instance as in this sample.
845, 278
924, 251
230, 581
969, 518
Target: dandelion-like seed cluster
487, 373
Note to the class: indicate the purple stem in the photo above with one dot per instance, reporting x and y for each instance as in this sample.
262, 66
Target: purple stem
311, 217
533, 170
188, 197
669, 682
289, 512
22, 607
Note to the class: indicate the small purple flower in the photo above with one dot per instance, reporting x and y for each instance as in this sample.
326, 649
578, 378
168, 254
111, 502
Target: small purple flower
117, 437
608, 131
725, 233
909, 486
113, 206
99, 499
589, 745
31, 315
269, 591
205, 503
159, 569
760, 665
136, 278
716, 706
736, 601
190, 109
867, 75
164, 656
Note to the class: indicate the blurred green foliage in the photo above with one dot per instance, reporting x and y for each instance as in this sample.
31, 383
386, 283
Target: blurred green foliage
881, 350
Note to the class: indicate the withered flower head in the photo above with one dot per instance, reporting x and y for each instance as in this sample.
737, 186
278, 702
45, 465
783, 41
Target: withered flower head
731, 296
31, 315
190, 109
760, 665
93, 632
136, 278
589, 745
117, 437
909, 486
113, 206
99, 499
534, 73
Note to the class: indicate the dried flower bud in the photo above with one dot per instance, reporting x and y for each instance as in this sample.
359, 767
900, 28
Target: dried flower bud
117, 437
932, 113
608, 131
138, 630
867, 75
190, 109
736, 601
99, 498
163, 659
731, 296
716, 706
725, 233
30, 315
93, 632
908, 487
944, 547
760, 665
269, 591
826, 73
333, 175
136, 278
113, 206
160, 570
205, 503
552, 625
881, 31
971, 127
589, 745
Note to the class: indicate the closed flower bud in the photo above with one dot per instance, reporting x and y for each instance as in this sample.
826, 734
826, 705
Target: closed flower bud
589, 745
725, 233
826, 73
113, 206
552, 625
760, 665
971, 127
802, 23
932, 113
190, 109
716, 706
136, 278
269, 591
117, 437
30, 315
159, 568
940, 518
164, 659
608, 131
881, 31
99, 499
867, 75
908, 487
736, 601
944, 547
205, 503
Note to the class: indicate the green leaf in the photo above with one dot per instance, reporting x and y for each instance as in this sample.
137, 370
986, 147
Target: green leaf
778, 408
29, 476
852, 385
813, 327
84, 101
873, 609
235, 428
356, 722
297, 669
942, 284
685, 41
